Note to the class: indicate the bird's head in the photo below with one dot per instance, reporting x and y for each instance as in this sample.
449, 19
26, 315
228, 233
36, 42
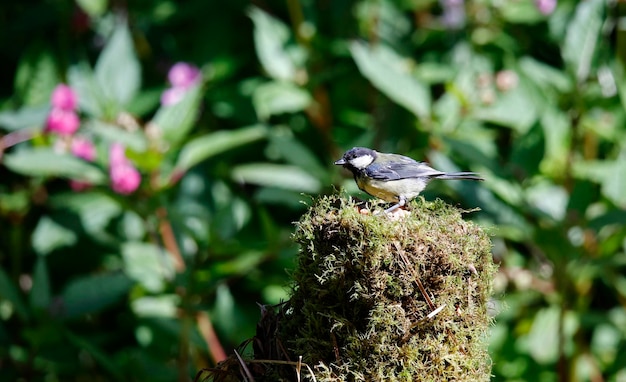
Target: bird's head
357, 158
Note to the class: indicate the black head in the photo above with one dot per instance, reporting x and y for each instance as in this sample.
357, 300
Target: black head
357, 158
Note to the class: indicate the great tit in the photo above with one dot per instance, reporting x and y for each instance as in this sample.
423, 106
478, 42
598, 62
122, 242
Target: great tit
392, 177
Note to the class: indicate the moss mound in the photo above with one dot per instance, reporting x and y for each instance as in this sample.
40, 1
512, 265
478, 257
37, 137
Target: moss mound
356, 312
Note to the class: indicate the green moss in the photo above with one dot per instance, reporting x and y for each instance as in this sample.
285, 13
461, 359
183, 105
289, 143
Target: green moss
356, 312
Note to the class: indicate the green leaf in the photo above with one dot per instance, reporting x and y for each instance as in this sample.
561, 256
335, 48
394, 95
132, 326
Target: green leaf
93, 293
605, 343
614, 184
390, 73
36, 76
50, 235
40, 293
270, 39
517, 108
94, 8
26, 117
225, 310
134, 140
94, 209
202, 148
285, 144
170, 330
117, 70
176, 121
162, 306
610, 174
544, 75
9, 293
279, 196
91, 97
46, 162
435, 72
132, 226
619, 73
104, 359
231, 212
277, 175
242, 264
145, 102
448, 111
390, 18
148, 264
543, 337
548, 198
557, 134
475, 143
15, 202
524, 11
582, 36
275, 294
274, 98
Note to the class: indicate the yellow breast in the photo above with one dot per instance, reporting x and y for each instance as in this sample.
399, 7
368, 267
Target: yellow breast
377, 188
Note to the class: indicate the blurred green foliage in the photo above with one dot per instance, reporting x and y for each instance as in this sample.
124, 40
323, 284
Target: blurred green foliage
99, 286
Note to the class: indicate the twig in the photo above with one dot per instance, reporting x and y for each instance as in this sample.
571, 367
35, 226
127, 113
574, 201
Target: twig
311, 371
298, 366
335, 346
279, 343
434, 312
210, 337
183, 360
244, 366
169, 240
277, 362
430, 303
15, 137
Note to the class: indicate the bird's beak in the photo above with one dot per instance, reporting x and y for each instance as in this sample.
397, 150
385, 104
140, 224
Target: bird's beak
340, 162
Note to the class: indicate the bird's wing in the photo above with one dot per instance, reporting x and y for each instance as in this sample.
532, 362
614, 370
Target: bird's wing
401, 168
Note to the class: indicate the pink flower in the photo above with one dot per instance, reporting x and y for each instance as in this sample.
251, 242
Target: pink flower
125, 178
84, 148
63, 122
172, 96
506, 80
453, 15
184, 75
546, 7
63, 97
117, 154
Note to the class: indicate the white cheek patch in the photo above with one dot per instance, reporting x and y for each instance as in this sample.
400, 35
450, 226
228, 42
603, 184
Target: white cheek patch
362, 161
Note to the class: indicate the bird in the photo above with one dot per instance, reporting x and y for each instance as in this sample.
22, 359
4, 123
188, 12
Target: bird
392, 177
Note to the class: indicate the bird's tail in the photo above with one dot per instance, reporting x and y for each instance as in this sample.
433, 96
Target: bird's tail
460, 176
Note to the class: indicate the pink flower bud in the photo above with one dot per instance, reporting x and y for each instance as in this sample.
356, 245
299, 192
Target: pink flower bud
125, 178
546, 7
184, 75
117, 154
172, 96
63, 97
506, 80
84, 148
63, 122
